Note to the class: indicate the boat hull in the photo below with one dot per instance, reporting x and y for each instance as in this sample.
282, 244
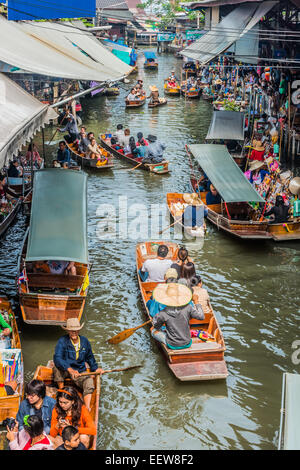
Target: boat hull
8, 220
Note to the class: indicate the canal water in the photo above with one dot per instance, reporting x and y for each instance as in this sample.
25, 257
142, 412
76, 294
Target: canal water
253, 289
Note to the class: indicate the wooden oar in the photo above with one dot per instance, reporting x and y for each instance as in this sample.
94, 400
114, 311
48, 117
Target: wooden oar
131, 169
126, 334
49, 143
84, 374
176, 222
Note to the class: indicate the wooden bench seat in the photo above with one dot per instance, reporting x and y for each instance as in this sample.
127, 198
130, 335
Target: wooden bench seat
45, 280
195, 347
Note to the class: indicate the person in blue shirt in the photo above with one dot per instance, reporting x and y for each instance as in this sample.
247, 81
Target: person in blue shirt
63, 153
36, 403
72, 353
212, 197
71, 128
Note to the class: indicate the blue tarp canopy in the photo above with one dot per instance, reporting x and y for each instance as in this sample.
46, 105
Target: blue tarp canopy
150, 55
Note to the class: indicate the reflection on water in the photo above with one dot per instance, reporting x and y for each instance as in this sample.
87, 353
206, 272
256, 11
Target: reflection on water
253, 288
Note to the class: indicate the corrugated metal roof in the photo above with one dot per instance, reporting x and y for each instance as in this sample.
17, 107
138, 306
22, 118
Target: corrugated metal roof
225, 33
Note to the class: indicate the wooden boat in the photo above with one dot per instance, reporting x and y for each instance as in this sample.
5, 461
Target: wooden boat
189, 71
17, 187
288, 231
91, 163
9, 405
173, 91
135, 103
234, 218
192, 93
157, 168
207, 97
46, 298
202, 361
46, 375
26, 203
9, 214
150, 61
112, 91
162, 102
176, 205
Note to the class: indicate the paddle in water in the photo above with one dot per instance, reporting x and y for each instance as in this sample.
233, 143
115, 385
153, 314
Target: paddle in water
126, 334
84, 374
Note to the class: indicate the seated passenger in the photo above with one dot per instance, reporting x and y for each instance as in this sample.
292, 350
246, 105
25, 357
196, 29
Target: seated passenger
37, 403
132, 149
55, 164
153, 306
141, 141
114, 143
93, 150
132, 95
5, 332
187, 272
201, 293
280, 211
124, 141
71, 439
61, 267
84, 143
63, 153
31, 437
212, 197
154, 151
155, 269
70, 411
119, 132
183, 258
176, 316
14, 171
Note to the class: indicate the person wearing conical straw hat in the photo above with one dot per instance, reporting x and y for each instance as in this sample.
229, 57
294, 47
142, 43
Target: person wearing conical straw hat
154, 95
72, 353
176, 316
257, 173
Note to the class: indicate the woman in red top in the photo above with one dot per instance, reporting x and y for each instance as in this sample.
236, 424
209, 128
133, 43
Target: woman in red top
70, 410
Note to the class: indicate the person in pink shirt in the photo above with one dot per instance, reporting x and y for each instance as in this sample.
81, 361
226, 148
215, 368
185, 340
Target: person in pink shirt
31, 437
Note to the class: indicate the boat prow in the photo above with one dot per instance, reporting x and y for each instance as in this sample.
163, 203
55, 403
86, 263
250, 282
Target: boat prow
202, 370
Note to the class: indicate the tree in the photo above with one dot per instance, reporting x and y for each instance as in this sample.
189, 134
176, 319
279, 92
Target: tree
166, 10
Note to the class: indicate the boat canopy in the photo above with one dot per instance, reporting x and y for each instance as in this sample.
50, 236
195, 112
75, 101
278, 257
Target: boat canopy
58, 229
150, 55
289, 438
21, 116
228, 125
224, 173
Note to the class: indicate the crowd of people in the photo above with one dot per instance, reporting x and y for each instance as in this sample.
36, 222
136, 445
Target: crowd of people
143, 150
63, 422
177, 298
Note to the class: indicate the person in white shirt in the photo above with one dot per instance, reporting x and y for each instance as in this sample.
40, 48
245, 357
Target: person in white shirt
124, 141
132, 95
157, 267
119, 132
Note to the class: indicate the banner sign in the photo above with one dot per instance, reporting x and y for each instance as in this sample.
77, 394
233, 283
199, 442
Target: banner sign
40, 9
194, 35
162, 37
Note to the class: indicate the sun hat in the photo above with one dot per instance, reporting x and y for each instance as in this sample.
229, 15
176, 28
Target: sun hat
171, 272
153, 88
218, 81
294, 185
255, 164
191, 198
172, 295
73, 324
152, 138
257, 145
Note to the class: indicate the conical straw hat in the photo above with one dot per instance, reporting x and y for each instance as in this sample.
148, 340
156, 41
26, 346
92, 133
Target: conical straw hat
191, 198
172, 294
294, 186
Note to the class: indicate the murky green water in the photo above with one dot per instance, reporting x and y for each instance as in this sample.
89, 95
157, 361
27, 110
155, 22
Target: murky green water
253, 288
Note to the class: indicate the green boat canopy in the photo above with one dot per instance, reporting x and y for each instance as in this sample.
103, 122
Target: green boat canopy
224, 173
228, 125
58, 227
289, 438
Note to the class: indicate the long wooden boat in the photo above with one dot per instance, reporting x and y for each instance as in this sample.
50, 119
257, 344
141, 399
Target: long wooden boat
7, 218
172, 91
58, 233
192, 93
9, 405
17, 188
26, 203
244, 229
112, 91
162, 102
176, 205
135, 103
91, 163
151, 65
234, 218
157, 168
46, 375
202, 361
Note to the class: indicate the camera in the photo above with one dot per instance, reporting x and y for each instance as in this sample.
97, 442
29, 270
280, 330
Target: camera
10, 423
